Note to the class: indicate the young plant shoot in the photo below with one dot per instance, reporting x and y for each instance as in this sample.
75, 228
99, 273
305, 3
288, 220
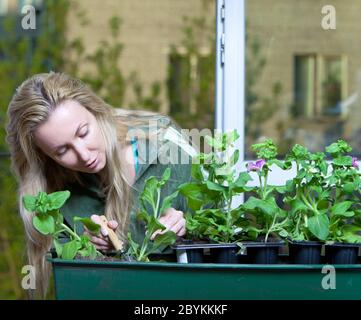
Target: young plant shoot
150, 211
49, 221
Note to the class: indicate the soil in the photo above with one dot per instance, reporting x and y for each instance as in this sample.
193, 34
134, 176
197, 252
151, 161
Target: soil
102, 258
270, 239
181, 241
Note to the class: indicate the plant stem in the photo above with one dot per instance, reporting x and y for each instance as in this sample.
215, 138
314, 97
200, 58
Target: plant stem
298, 223
71, 232
144, 247
260, 186
229, 215
157, 205
312, 206
59, 231
270, 228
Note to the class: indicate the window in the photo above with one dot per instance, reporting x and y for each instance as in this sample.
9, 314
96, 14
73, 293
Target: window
332, 85
3, 7
320, 83
190, 88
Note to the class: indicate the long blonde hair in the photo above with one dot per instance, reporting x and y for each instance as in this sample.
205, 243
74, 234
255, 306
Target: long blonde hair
32, 105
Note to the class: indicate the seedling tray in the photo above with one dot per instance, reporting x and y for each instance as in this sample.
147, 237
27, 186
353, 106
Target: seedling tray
83, 279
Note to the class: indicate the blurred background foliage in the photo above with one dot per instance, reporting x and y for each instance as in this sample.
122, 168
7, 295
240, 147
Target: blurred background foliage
189, 87
24, 53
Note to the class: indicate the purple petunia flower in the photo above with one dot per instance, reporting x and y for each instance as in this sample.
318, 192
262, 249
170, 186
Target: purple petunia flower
354, 162
256, 166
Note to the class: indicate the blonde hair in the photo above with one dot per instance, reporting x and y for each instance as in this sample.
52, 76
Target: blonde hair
30, 106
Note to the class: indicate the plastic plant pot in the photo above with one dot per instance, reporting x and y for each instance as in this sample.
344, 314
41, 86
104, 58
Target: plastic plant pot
305, 252
225, 253
342, 253
219, 253
189, 252
263, 252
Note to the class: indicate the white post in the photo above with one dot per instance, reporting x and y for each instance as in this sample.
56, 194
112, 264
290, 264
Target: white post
230, 71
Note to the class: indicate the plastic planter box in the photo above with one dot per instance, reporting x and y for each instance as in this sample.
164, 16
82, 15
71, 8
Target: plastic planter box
82, 279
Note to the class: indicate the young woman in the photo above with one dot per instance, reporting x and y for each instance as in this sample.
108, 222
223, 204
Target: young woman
62, 136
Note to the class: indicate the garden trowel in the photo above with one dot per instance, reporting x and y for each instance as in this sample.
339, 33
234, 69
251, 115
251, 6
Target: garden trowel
117, 243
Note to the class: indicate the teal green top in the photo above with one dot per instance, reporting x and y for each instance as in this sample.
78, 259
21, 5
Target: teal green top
135, 154
85, 201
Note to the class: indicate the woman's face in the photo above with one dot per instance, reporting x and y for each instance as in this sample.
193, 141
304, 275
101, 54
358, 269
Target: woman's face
71, 137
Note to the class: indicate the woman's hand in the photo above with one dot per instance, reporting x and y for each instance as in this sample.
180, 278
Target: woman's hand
101, 241
173, 220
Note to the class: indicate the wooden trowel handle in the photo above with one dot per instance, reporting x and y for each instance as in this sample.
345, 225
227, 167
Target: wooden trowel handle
118, 245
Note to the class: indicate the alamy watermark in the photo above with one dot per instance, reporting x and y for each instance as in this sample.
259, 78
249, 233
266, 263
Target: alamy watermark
29, 19
328, 21
329, 280
170, 146
28, 282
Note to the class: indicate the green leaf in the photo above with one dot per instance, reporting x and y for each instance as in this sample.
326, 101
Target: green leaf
194, 194
57, 199
215, 187
92, 251
283, 233
29, 203
284, 165
143, 216
299, 153
318, 225
341, 207
154, 225
165, 239
350, 187
150, 188
58, 248
42, 203
90, 224
242, 180
45, 224
230, 137
215, 143
338, 148
196, 172
333, 148
165, 177
268, 206
167, 202
69, 250
351, 234
133, 249
343, 161
280, 189
59, 218
234, 158
297, 205
265, 150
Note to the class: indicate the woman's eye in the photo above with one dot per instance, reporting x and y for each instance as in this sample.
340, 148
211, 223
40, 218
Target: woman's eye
84, 134
61, 153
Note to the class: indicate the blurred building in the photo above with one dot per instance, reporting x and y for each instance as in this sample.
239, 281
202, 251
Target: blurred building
315, 70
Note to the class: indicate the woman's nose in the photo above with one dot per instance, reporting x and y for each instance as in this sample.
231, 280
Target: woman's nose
83, 153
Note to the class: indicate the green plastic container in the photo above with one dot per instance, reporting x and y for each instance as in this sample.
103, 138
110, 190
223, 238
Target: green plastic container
81, 279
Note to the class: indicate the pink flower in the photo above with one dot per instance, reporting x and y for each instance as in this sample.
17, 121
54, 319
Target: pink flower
256, 166
354, 162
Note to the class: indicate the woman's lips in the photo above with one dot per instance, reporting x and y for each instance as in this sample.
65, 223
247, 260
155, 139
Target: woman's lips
93, 164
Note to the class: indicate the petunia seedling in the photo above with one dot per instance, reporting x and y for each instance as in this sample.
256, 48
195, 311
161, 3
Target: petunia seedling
49, 221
